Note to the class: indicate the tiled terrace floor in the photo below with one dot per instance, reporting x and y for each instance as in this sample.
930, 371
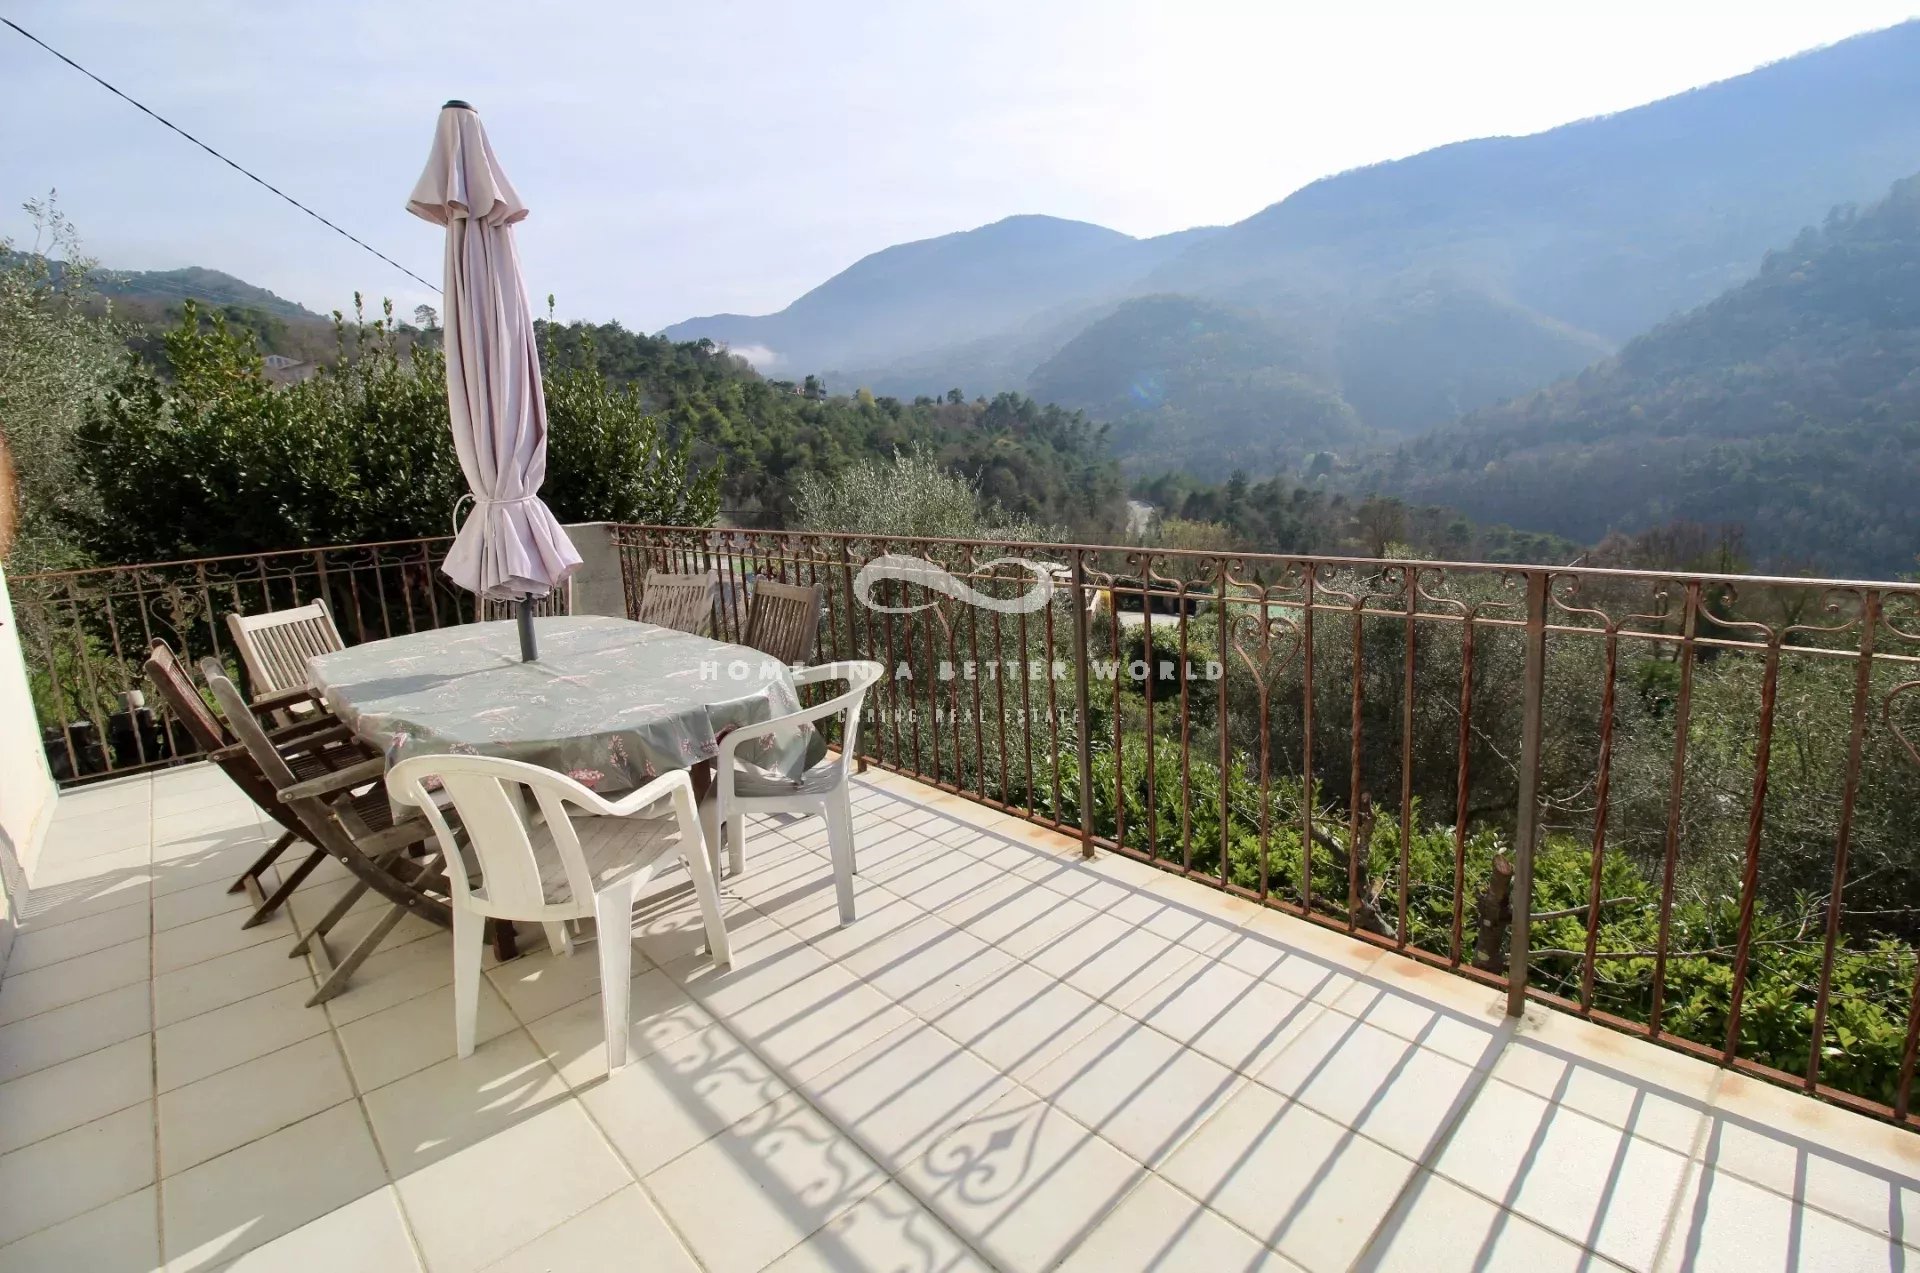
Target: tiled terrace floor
1009, 1061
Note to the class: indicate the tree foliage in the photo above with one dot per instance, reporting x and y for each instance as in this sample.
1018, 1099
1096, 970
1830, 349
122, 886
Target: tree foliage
218, 460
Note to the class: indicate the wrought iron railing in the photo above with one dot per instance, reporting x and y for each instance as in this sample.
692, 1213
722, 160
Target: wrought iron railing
1686, 805
85, 634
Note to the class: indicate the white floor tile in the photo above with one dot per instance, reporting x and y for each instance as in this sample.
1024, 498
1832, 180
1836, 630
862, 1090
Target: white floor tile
1225, 1013
1021, 1181
1379, 1084
367, 1235
77, 1170
397, 1041
437, 1111
762, 1185
490, 1198
75, 1030
575, 1038
1137, 1088
1021, 1019
620, 1233
1158, 1229
257, 1098
660, 1106
1300, 1182
188, 992
1441, 1228
37, 945
121, 1237
28, 994
74, 1092
225, 1037
225, 1207
1726, 1224
1581, 1178
901, 1092
886, 1230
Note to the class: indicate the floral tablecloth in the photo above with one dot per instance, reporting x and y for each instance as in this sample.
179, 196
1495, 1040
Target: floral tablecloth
611, 702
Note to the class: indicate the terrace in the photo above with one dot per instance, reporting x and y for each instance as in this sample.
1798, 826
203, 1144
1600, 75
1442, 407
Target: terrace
1049, 1040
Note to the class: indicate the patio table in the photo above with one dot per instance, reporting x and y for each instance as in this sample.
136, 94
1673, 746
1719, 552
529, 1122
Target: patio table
610, 702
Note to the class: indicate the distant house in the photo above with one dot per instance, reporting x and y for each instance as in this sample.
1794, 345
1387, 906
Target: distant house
282, 370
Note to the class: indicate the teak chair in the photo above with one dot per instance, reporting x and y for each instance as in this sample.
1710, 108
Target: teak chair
783, 619
309, 749
346, 813
275, 647
821, 789
682, 602
552, 869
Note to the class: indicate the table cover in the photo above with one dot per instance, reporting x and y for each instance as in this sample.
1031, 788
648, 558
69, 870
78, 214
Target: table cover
611, 702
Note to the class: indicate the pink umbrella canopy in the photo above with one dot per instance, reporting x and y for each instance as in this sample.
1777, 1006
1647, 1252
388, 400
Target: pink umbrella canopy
510, 545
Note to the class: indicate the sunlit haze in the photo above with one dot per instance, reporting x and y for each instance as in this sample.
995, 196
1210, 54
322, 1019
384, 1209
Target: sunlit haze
683, 160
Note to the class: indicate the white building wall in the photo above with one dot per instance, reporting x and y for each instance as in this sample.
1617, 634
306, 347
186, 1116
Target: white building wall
27, 792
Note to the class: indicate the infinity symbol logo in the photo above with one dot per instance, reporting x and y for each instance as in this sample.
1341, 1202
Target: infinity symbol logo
935, 578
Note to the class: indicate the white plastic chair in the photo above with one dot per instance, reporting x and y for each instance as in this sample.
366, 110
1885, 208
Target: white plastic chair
552, 869
822, 789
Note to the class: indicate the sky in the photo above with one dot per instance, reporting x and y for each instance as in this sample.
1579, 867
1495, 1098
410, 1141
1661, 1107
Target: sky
682, 160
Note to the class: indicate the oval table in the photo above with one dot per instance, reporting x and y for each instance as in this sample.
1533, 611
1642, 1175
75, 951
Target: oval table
610, 702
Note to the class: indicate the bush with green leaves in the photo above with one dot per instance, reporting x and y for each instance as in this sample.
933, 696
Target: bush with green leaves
219, 460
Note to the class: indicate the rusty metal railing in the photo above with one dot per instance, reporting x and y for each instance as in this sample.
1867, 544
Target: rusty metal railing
1685, 805
85, 634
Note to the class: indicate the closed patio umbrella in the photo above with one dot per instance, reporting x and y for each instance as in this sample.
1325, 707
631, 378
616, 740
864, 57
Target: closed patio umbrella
510, 546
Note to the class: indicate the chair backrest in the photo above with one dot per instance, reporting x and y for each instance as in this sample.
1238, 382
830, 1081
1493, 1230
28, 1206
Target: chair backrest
177, 688
557, 602
276, 646
488, 796
681, 602
246, 726
783, 619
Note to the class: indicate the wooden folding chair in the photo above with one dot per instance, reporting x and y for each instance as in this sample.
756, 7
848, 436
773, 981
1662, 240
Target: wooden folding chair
347, 813
783, 619
275, 647
682, 602
309, 748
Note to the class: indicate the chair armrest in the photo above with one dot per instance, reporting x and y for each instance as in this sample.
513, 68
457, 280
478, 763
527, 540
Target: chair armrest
352, 776
315, 723
805, 716
281, 699
654, 792
311, 740
397, 836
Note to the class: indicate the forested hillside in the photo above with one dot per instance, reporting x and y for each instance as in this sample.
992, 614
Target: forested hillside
1202, 387
1791, 404
1424, 287
1040, 462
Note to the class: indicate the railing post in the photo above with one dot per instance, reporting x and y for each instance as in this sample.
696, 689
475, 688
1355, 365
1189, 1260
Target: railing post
1082, 729
1527, 829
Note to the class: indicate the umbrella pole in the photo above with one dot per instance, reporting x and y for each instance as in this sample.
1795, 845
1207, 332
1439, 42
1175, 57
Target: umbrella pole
523, 613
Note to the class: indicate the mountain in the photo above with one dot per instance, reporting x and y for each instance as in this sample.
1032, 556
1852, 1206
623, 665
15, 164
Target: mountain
941, 292
1203, 385
166, 288
1425, 287
1790, 404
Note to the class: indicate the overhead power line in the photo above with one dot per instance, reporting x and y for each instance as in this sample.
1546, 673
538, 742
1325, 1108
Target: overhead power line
256, 179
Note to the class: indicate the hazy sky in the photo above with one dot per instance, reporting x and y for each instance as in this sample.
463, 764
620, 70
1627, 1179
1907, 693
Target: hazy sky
684, 159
